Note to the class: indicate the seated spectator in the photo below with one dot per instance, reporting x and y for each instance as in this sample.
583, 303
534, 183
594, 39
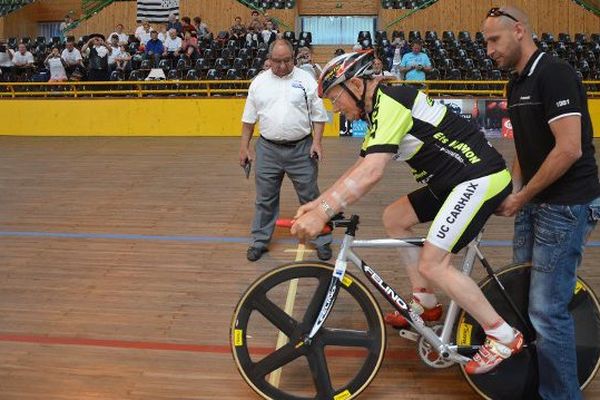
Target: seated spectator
186, 25
123, 37
402, 45
113, 45
154, 48
190, 40
201, 28
338, 52
6, 62
56, 65
415, 63
72, 58
191, 54
304, 61
237, 30
255, 27
123, 60
23, 62
269, 34
267, 64
174, 24
98, 58
173, 45
378, 68
164, 33
142, 33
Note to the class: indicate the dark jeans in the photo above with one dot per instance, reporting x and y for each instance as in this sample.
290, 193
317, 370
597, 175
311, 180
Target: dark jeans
552, 237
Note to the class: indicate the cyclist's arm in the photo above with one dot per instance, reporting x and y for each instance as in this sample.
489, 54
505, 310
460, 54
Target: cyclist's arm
343, 193
315, 203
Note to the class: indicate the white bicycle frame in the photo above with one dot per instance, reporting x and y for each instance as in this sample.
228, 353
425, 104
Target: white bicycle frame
440, 343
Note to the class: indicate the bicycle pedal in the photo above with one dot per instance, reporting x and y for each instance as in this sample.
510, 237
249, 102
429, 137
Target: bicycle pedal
408, 334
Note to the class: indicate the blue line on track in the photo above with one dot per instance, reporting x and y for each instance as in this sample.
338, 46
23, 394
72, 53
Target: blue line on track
183, 238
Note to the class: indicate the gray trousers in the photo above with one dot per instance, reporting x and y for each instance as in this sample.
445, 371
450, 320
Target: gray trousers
272, 162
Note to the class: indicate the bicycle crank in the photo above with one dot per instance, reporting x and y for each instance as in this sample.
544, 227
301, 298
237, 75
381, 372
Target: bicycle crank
429, 355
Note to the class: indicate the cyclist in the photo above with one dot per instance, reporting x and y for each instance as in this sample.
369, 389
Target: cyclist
465, 180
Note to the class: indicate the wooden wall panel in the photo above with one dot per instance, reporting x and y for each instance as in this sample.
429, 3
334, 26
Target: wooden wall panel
24, 22
545, 16
338, 7
218, 14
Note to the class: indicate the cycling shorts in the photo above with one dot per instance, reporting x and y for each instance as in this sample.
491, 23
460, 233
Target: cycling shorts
461, 213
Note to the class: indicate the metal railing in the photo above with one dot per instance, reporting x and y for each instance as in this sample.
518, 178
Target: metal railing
237, 88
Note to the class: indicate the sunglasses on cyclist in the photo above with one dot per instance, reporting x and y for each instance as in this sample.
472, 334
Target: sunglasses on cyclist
497, 12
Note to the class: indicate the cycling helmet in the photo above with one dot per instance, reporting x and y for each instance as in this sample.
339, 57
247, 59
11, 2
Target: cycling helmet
345, 67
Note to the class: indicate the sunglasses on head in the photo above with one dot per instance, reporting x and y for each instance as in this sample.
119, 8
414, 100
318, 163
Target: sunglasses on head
497, 12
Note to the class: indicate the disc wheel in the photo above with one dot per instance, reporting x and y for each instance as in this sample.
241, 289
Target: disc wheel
517, 377
278, 311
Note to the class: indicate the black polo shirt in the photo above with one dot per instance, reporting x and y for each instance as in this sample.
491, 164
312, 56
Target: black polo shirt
546, 90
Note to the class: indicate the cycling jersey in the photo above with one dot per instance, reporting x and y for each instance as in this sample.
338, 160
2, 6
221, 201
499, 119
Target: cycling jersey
442, 148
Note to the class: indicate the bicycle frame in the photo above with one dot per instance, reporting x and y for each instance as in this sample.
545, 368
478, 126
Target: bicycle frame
440, 343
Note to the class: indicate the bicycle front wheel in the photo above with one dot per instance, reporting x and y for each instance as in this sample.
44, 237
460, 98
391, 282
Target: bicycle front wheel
279, 310
517, 377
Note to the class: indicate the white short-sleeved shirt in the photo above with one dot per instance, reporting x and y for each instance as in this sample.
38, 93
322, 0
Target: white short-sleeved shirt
173, 44
57, 70
6, 58
280, 105
123, 37
71, 57
112, 57
22, 59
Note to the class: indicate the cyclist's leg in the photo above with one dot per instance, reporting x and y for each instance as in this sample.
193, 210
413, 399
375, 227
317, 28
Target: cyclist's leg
398, 220
560, 233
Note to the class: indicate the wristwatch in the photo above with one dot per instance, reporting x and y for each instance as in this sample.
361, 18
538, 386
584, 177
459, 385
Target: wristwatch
327, 209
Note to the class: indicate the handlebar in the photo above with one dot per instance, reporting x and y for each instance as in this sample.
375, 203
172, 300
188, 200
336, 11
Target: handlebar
338, 221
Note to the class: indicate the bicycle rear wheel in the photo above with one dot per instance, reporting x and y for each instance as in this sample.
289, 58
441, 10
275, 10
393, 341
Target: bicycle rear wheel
517, 377
281, 307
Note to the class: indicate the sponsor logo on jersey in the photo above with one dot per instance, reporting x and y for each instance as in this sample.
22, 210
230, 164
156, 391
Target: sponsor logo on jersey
457, 210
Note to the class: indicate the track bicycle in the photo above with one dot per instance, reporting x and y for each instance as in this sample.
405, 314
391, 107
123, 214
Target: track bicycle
312, 330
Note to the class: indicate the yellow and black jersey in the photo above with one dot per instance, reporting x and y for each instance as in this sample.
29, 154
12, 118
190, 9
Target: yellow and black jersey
442, 148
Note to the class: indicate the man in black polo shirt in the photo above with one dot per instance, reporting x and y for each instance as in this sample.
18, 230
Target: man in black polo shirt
556, 188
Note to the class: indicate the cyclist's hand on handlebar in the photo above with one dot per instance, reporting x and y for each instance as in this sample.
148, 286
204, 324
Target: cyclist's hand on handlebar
308, 225
303, 209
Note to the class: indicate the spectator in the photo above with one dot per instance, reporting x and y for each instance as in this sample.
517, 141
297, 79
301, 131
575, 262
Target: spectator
237, 30
201, 28
415, 63
174, 24
65, 26
304, 61
23, 62
72, 58
173, 45
154, 48
186, 25
123, 37
190, 40
266, 65
285, 103
98, 58
378, 68
123, 60
255, 27
115, 52
6, 61
269, 34
142, 33
164, 33
56, 65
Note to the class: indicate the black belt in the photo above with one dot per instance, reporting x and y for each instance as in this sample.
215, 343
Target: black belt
288, 143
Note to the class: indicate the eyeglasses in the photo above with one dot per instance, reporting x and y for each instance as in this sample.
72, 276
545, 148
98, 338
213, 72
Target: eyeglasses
497, 12
337, 97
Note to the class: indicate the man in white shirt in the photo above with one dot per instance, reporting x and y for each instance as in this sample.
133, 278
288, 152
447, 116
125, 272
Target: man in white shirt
173, 44
115, 51
284, 101
23, 61
72, 58
142, 33
123, 37
6, 61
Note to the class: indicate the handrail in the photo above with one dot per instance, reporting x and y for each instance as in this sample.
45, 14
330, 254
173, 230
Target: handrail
212, 88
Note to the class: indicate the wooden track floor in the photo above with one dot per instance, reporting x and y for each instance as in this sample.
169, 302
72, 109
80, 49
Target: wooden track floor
121, 261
